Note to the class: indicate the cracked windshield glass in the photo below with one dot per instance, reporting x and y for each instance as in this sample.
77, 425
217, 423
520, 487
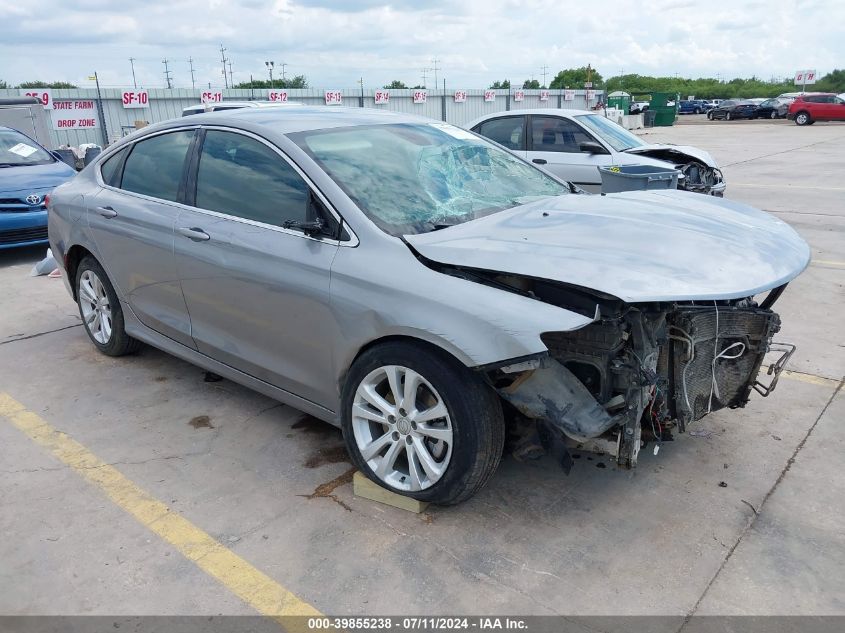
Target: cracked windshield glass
415, 178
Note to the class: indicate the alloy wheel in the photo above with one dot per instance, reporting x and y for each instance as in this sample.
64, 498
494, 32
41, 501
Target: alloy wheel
96, 309
402, 428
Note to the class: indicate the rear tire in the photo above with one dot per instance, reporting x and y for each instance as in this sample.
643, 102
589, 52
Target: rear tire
393, 436
774, 114
727, 116
710, 116
100, 310
803, 118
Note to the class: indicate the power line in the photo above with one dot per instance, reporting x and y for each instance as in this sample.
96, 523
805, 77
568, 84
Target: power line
231, 80
191, 64
545, 70
132, 63
283, 65
425, 72
435, 68
223, 57
167, 74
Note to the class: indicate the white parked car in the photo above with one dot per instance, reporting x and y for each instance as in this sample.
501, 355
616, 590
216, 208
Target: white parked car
573, 144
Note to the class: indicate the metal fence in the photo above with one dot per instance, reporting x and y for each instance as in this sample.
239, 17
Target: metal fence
167, 104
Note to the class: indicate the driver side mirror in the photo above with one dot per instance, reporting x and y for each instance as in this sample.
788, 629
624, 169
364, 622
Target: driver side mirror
591, 147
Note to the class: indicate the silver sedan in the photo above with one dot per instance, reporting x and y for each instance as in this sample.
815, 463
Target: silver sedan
420, 286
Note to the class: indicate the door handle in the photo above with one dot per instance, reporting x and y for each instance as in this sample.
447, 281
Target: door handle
106, 212
539, 161
193, 233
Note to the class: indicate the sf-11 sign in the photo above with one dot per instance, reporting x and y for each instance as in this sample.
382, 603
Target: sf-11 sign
135, 99
44, 95
208, 96
75, 115
277, 96
334, 97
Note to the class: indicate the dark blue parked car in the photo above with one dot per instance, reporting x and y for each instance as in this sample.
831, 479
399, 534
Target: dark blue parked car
28, 172
694, 106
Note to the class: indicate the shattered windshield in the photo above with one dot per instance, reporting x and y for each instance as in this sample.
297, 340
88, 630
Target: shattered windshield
415, 178
17, 150
614, 135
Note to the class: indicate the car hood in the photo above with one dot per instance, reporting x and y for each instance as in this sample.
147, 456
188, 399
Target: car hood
28, 178
637, 246
673, 153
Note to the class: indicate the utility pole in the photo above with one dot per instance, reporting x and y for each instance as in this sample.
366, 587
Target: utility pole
132, 63
167, 74
283, 65
435, 68
361, 81
231, 78
223, 57
270, 66
425, 72
545, 70
191, 64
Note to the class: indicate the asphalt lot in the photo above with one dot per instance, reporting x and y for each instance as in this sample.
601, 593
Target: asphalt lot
271, 486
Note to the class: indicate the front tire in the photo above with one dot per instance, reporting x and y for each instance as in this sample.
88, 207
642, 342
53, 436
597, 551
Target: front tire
802, 118
420, 424
727, 116
100, 310
710, 116
774, 114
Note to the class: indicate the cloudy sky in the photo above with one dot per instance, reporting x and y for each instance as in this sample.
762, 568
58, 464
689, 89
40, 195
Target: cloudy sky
334, 42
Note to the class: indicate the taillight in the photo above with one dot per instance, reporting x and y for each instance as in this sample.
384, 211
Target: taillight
47, 200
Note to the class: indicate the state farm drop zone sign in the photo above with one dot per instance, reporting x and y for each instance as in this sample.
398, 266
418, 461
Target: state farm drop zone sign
79, 114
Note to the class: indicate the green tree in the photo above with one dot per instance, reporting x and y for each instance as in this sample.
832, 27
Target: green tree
701, 88
531, 84
299, 81
501, 85
3, 84
46, 84
575, 78
833, 81
397, 85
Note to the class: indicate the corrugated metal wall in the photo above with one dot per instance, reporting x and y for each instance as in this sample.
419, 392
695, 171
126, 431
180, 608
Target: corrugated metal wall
168, 104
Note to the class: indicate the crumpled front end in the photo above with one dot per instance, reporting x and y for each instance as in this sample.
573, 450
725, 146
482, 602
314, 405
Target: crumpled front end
637, 375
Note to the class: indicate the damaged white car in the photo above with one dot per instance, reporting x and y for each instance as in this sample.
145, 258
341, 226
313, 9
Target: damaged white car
573, 144
420, 286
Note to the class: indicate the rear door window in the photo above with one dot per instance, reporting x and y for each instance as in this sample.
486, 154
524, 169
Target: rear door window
111, 169
155, 166
241, 176
554, 134
508, 131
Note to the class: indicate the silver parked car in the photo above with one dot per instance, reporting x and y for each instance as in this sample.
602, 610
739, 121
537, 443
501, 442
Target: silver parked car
418, 285
573, 144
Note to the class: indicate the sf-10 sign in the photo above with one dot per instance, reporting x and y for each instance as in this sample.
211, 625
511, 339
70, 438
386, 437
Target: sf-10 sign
277, 96
804, 77
135, 99
44, 95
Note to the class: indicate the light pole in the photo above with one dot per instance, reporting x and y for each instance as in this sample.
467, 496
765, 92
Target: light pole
270, 70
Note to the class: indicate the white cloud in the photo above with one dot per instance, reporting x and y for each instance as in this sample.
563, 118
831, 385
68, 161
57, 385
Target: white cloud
334, 42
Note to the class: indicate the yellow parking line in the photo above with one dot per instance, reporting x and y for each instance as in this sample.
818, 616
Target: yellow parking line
245, 581
810, 378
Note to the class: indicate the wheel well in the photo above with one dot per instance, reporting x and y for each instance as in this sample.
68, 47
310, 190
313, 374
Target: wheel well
435, 349
75, 255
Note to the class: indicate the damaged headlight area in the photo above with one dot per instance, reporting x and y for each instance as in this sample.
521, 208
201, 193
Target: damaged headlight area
640, 373
699, 178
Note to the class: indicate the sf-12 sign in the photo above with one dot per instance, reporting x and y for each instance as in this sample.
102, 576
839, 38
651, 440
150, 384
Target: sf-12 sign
518, 95
209, 96
334, 97
804, 77
460, 96
544, 95
382, 97
277, 96
489, 95
44, 95
420, 96
75, 115
135, 99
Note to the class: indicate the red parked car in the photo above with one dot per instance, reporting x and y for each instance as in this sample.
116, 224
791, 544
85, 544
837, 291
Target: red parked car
819, 106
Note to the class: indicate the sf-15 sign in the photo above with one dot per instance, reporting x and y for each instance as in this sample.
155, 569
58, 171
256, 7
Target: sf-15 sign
135, 99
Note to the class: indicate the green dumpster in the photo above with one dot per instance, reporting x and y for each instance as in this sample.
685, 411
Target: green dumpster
664, 113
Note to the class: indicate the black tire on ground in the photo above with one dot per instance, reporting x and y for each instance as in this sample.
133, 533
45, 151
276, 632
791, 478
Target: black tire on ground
803, 118
698, 110
474, 409
774, 114
119, 343
727, 116
710, 116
